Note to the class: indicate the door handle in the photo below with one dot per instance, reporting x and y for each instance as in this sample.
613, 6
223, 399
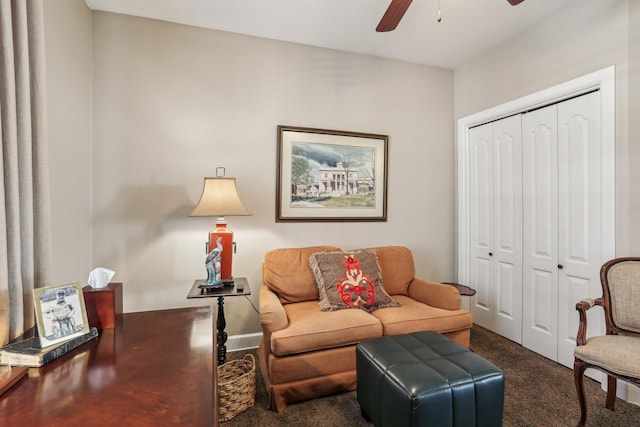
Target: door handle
560, 266
490, 253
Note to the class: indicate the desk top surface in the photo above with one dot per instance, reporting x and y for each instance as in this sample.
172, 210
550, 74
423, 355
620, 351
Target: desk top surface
155, 368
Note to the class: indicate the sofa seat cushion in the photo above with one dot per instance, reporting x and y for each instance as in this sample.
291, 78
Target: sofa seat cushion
414, 316
312, 329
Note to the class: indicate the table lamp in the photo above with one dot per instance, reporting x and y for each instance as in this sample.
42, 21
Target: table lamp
220, 198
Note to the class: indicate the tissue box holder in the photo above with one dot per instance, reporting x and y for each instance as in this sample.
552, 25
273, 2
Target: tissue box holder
104, 305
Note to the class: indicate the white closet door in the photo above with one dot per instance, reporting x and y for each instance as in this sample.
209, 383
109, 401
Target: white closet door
540, 236
568, 212
482, 304
580, 217
562, 201
507, 227
496, 226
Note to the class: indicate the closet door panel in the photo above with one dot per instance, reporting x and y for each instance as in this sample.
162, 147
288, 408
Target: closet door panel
541, 317
580, 218
495, 183
540, 231
482, 303
507, 226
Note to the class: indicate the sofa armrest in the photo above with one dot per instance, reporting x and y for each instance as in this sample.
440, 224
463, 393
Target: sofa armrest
272, 314
434, 294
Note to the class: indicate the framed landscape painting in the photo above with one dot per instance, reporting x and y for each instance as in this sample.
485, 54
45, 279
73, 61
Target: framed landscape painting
329, 175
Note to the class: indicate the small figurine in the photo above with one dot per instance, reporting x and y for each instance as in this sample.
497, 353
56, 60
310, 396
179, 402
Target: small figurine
214, 265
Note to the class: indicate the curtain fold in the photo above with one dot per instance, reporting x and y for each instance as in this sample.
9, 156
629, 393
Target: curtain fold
25, 248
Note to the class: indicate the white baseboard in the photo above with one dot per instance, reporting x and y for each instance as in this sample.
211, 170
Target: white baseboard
633, 394
625, 391
243, 342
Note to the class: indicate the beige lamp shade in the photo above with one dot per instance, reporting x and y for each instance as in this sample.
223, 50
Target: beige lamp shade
220, 198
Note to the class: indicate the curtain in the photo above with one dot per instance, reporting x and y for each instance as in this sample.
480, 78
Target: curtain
25, 250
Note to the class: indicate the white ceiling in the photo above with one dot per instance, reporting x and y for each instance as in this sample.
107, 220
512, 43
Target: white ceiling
468, 28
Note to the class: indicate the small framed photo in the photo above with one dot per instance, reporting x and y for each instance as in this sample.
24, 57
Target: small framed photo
330, 175
60, 313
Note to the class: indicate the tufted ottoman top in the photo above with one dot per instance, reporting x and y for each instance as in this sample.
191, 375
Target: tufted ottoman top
424, 378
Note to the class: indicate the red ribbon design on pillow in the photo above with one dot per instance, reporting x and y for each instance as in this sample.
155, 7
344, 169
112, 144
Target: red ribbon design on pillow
356, 289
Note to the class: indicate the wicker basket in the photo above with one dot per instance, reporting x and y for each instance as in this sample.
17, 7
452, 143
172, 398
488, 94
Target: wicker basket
236, 386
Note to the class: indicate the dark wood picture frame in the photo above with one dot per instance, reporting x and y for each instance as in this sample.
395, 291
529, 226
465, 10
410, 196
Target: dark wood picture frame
331, 175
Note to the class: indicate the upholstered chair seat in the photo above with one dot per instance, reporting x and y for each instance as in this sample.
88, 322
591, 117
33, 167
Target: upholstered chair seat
612, 352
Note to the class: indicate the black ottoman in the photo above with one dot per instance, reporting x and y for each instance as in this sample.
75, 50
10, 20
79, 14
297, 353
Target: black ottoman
425, 379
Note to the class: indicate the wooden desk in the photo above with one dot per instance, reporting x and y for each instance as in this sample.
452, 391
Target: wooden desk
156, 368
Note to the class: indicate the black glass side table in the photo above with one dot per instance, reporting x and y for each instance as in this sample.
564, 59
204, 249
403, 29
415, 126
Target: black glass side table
228, 290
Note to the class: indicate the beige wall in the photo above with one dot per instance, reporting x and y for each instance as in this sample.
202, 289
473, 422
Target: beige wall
586, 37
68, 62
172, 102
140, 116
633, 159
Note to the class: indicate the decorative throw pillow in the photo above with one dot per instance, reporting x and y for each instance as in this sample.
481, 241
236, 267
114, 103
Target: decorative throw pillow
350, 280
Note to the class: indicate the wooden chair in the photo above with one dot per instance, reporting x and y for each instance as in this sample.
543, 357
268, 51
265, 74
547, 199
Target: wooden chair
616, 353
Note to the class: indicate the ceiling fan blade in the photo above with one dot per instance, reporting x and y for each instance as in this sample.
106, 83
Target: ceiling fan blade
393, 15
515, 2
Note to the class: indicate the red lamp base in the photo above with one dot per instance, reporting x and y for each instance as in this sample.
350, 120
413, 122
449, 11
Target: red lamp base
226, 237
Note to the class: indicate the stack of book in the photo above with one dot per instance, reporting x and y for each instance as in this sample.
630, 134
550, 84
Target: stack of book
29, 352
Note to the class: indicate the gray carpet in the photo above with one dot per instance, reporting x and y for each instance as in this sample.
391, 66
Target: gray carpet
538, 392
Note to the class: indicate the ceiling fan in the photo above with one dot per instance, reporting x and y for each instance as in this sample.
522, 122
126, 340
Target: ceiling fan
396, 11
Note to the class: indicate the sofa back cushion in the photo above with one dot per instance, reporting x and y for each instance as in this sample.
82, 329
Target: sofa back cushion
398, 269
287, 273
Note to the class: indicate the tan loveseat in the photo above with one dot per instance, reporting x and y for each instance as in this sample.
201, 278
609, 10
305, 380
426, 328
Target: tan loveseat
306, 352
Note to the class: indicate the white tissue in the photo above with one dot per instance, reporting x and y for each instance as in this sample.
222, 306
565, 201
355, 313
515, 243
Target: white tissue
100, 277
